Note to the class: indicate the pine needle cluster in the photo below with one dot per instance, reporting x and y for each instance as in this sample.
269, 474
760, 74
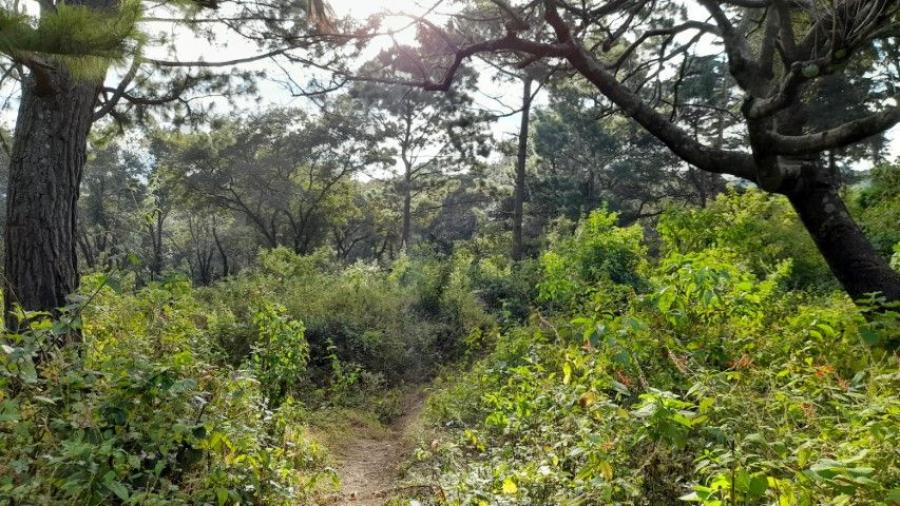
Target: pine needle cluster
86, 40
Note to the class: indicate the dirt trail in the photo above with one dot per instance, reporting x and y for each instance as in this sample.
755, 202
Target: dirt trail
369, 463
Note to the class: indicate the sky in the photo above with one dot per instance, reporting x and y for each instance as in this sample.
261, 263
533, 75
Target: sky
274, 93
361, 10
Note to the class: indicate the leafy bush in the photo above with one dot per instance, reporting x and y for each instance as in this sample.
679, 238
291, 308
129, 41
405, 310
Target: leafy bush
279, 357
507, 288
392, 324
877, 206
143, 413
598, 265
760, 228
715, 383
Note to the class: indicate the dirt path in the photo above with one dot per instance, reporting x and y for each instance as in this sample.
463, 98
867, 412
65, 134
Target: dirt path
369, 463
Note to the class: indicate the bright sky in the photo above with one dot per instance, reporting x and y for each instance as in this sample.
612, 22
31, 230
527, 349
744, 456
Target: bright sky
274, 93
361, 10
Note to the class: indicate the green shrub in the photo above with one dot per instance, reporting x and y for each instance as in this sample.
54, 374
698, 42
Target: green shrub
760, 228
395, 324
279, 356
598, 266
508, 289
143, 413
714, 383
877, 207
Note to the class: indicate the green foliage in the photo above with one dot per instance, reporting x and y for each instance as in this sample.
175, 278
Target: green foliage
86, 40
180, 395
393, 325
144, 413
713, 374
598, 264
279, 356
716, 383
760, 228
877, 206
584, 164
507, 288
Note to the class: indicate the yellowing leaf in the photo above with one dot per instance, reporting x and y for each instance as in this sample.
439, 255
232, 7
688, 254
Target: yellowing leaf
587, 399
607, 470
567, 373
509, 486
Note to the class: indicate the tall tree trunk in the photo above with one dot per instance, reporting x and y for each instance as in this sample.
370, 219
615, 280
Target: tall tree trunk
48, 156
156, 241
852, 258
699, 184
521, 162
222, 254
406, 230
84, 242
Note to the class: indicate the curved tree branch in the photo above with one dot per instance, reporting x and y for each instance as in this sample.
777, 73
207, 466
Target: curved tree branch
846, 134
741, 64
119, 91
684, 145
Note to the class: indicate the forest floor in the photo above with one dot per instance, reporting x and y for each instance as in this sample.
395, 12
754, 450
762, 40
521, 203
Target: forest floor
370, 461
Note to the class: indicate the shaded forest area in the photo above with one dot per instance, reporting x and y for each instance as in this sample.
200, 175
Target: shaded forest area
466, 253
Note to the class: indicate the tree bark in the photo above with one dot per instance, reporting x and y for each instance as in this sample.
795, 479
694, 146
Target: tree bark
222, 254
406, 230
86, 249
852, 258
156, 240
521, 162
47, 162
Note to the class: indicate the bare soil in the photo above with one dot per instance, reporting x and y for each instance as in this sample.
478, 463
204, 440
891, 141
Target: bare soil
369, 462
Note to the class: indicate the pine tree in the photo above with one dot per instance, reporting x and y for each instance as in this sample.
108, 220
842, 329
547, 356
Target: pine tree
68, 49
67, 53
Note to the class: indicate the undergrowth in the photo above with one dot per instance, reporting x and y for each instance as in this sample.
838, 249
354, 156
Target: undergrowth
224, 394
722, 371
716, 375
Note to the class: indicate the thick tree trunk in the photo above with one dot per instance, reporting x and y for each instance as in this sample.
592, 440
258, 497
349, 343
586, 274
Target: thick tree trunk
852, 258
48, 155
811, 184
521, 162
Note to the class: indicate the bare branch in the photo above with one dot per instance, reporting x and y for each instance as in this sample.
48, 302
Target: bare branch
516, 21
752, 4
119, 91
786, 29
688, 25
225, 63
846, 134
